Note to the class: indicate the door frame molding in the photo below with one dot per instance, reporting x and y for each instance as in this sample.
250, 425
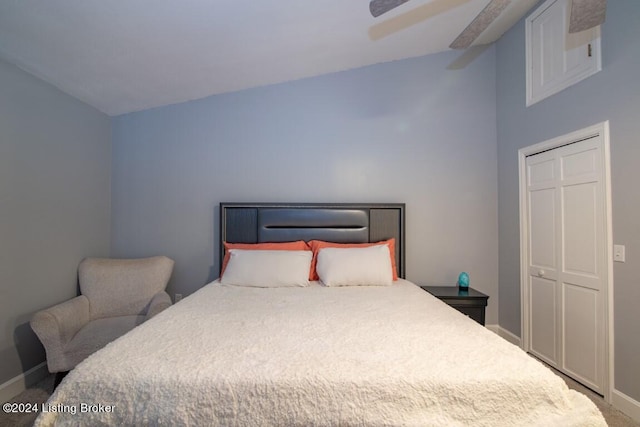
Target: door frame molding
602, 130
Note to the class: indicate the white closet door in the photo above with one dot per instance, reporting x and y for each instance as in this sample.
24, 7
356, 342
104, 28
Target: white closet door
567, 259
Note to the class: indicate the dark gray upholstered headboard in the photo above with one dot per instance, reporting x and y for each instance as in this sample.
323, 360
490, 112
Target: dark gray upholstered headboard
333, 222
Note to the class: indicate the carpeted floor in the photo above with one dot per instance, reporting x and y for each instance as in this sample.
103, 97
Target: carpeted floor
40, 392
613, 417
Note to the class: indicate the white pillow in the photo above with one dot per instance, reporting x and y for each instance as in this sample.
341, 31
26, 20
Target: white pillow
355, 266
267, 269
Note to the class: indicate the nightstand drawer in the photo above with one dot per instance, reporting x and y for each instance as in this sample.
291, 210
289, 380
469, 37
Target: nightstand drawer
476, 313
470, 302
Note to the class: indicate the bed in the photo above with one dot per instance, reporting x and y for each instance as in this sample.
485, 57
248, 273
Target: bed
314, 355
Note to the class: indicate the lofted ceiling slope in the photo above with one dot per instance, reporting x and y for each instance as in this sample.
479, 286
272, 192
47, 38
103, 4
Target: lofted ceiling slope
122, 56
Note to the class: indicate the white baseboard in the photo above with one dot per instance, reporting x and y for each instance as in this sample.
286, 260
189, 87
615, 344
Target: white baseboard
513, 339
20, 383
626, 404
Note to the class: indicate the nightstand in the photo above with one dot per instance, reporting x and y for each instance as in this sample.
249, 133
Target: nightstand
471, 302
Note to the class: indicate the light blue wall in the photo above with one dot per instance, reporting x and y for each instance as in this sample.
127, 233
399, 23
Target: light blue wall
613, 94
55, 190
407, 131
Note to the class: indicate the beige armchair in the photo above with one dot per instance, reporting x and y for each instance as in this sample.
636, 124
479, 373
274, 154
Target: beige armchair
116, 296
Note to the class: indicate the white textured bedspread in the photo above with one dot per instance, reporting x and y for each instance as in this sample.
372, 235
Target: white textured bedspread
315, 356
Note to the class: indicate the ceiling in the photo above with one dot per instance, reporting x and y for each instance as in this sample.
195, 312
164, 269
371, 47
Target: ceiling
129, 55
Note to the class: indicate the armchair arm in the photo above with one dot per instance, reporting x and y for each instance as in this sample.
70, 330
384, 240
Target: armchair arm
56, 325
159, 302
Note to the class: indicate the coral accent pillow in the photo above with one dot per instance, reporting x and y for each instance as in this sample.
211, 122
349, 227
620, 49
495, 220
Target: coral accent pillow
316, 245
299, 245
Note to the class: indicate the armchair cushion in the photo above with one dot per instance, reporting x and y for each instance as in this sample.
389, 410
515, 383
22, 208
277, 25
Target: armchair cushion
95, 335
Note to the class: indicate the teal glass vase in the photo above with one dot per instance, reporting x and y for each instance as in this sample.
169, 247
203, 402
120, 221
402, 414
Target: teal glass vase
463, 281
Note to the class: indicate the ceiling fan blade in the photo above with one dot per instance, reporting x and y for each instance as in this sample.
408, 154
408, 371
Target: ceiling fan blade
586, 14
479, 24
378, 7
